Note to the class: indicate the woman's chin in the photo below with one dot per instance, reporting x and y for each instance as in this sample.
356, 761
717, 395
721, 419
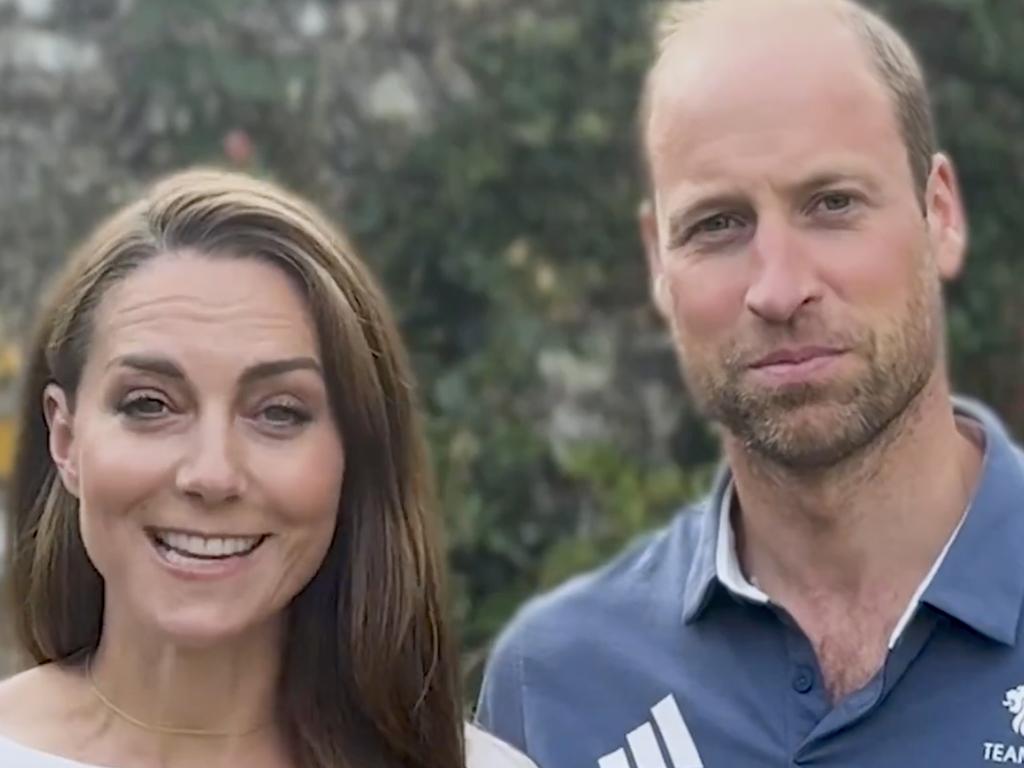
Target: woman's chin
200, 625
199, 632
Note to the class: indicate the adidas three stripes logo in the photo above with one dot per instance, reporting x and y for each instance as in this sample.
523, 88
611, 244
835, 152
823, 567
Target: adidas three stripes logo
679, 750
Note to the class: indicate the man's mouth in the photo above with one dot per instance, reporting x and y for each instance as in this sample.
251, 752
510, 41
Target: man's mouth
795, 356
182, 547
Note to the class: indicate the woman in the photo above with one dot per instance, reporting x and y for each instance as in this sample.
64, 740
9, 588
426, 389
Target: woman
223, 546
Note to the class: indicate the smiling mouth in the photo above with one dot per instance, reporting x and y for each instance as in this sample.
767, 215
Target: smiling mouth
178, 546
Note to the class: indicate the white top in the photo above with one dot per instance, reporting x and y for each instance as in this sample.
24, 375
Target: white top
484, 751
16, 756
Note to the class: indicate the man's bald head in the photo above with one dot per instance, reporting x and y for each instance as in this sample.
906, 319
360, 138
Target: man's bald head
887, 52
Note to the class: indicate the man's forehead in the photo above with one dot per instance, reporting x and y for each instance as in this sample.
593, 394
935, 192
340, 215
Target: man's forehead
759, 50
732, 73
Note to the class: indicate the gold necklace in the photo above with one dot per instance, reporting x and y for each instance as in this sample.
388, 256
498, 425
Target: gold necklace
161, 728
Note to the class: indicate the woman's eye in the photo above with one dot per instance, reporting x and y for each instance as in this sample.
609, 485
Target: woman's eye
143, 407
284, 416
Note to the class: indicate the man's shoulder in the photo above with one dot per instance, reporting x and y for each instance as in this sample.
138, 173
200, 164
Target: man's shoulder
645, 581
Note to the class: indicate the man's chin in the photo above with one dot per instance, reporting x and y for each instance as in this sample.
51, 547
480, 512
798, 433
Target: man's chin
803, 453
805, 435
794, 408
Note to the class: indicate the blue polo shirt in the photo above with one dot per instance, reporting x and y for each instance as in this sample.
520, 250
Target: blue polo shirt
668, 657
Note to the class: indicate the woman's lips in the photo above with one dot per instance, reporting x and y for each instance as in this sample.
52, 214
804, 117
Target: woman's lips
196, 557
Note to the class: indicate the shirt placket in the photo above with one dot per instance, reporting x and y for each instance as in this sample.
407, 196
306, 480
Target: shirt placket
806, 700
860, 704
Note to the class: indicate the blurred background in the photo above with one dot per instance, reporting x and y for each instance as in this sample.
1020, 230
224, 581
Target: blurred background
482, 155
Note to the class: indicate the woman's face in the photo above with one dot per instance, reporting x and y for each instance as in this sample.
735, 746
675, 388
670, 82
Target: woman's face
202, 447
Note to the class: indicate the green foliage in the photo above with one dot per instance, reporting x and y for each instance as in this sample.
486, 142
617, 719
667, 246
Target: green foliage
192, 70
630, 501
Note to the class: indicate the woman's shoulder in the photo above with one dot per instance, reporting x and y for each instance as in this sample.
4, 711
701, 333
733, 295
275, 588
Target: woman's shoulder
28, 715
486, 751
20, 698
32, 703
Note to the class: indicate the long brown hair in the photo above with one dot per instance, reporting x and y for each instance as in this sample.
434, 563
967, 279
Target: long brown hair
369, 669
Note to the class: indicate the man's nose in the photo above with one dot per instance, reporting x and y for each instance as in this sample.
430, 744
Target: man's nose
785, 277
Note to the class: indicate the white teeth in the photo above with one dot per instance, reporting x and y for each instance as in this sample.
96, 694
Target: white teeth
202, 546
175, 559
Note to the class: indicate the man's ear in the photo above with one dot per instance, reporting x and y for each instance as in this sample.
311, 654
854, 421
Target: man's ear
648, 220
947, 223
60, 421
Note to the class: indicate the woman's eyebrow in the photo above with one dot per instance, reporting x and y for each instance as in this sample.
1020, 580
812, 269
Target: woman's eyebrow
163, 366
277, 367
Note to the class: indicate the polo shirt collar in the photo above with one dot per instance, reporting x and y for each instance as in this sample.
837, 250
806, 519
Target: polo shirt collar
715, 562
981, 580
978, 579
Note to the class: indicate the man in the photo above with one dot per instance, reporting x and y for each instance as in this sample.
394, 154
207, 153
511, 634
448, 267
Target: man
850, 593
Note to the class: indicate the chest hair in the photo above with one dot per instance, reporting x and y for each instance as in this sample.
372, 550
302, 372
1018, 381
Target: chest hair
850, 643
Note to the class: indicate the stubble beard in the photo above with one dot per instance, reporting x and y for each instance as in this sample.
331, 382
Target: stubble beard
813, 426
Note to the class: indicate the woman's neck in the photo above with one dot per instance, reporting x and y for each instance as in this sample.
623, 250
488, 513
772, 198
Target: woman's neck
186, 700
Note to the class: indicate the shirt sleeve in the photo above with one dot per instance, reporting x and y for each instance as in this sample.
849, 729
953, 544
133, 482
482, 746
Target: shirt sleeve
500, 706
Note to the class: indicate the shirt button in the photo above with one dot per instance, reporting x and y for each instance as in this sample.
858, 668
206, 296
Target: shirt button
803, 680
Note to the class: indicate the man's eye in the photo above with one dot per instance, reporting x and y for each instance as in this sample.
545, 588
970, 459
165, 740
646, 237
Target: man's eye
717, 223
835, 202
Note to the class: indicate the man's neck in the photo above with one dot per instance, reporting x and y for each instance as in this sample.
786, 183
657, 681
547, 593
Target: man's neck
843, 552
877, 523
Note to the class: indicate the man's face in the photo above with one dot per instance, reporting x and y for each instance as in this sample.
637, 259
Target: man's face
788, 245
